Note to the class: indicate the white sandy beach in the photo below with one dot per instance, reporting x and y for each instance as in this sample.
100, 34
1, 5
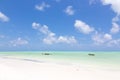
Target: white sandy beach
12, 69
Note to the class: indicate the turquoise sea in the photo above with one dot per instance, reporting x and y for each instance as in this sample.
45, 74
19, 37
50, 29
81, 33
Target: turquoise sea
103, 59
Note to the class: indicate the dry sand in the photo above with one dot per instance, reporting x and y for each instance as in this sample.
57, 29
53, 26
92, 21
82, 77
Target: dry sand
13, 69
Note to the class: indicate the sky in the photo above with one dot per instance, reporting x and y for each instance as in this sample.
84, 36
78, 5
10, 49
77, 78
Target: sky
80, 25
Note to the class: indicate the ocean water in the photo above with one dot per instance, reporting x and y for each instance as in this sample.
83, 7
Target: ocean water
103, 59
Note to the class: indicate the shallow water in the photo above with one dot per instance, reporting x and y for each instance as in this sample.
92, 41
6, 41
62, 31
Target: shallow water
103, 59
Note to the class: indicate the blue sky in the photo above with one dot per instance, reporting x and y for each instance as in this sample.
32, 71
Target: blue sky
59, 25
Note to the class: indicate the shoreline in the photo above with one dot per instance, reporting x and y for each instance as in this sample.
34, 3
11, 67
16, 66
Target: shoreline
64, 61
26, 69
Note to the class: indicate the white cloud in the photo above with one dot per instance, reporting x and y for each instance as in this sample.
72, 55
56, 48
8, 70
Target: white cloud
115, 19
100, 39
114, 43
115, 28
68, 40
83, 27
3, 17
35, 25
107, 37
51, 38
19, 42
42, 6
69, 10
115, 5
105, 40
44, 29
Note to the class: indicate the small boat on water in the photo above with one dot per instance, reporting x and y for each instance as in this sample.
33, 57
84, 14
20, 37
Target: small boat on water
46, 54
90, 54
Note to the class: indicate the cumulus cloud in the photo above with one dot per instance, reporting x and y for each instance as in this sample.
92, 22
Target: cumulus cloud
35, 25
115, 19
115, 28
42, 28
67, 39
115, 5
19, 42
69, 10
83, 27
105, 40
50, 37
42, 6
114, 43
3, 17
100, 39
97, 38
107, 37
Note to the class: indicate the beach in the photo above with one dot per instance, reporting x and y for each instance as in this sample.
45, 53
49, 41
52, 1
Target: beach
19, 68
